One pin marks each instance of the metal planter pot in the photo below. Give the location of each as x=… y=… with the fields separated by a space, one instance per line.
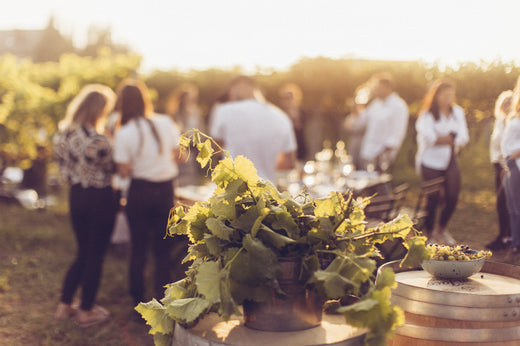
x=302 y=309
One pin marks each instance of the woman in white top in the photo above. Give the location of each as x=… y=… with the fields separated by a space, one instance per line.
x=145 y=148
x=502 y=109
x=511 y=151
x=441 y=132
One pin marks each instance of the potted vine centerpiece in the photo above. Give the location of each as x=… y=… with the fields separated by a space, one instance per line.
x=253 y=245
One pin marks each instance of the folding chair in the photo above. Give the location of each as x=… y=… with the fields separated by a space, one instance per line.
x=399 y=193
x=380 y=208
x=428 y=188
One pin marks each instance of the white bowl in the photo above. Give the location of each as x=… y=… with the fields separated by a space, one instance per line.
x=453 y=269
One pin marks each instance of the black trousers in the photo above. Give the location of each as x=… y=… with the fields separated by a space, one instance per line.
x=92 y=212
x=148 y=208
x=501 y=204
x=451 y=194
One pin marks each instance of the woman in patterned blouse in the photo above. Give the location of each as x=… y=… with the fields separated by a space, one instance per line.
x=85 y=159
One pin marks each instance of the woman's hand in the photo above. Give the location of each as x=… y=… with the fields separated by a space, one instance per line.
x=445 y=140
x=124 y=169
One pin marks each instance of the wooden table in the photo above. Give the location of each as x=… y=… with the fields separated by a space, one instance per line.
x=213 y=331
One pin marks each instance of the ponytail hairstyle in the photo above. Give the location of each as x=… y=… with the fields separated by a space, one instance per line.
x=134 y=103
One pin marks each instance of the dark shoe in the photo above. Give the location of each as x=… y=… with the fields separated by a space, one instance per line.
x=496 y=244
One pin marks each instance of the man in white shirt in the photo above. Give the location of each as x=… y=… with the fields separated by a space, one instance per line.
x=385 y=121
x=255 y=129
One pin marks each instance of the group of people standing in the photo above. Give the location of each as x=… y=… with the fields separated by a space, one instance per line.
x=378 y=124
x=505 y=157
x=144 y=148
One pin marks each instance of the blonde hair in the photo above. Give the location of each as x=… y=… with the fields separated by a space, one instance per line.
x=89 y=107
x=504 y=95
x=515 y=102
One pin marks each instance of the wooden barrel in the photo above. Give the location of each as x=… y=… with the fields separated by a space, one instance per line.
x=483 y=309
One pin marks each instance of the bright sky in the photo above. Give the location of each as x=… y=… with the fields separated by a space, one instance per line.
x=276 y=33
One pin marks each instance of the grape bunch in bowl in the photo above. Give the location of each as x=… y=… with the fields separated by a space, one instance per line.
x=454 y=262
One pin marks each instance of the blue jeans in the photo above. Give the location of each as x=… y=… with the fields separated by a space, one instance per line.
x=512 y=188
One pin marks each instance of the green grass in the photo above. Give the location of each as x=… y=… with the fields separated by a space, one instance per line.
x=38 y=246
x=36 y=249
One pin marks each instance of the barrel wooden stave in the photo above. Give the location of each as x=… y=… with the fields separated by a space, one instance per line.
x=437 y=317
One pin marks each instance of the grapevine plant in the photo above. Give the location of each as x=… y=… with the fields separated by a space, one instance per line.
x=240 y=232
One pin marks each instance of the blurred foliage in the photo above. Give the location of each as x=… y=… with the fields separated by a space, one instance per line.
x=34 y=96
x=328 y=83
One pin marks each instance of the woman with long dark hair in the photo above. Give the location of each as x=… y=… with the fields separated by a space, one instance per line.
x=85 y=160
x=145 y=149
x=441 y=132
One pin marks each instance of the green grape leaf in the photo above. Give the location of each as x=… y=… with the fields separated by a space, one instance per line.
x=187 y=310
x=174 y=291
x=197 y=216
x=335 y=285
x=357 y=216
x=213 y=244
x=262 y=213
x=208 y=281
x=223 y=172
x=242 y=292
x=176 y=222
x=283 y=220
x=246 y=220
x=162 y=340
x=223 y=202
x=417 y=252
x=179 y=228
x=318 y=233
x=358 y=268
x=184 y=142
x=256 y=265
x=400 y=227
x=273 y=238
x=292 y=206
x=386 y=278
x=219 y=228
x=228 y=305
x=325 y=207
x=376 y=313
x=205 y=153
x=246 y=170
x=324 y=232
x=154 y=314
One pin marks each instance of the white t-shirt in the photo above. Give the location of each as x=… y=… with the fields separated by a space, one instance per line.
x=428 y=130
x=511 y=140
x=134 y=143
x=385 y=122
x=256 y=130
